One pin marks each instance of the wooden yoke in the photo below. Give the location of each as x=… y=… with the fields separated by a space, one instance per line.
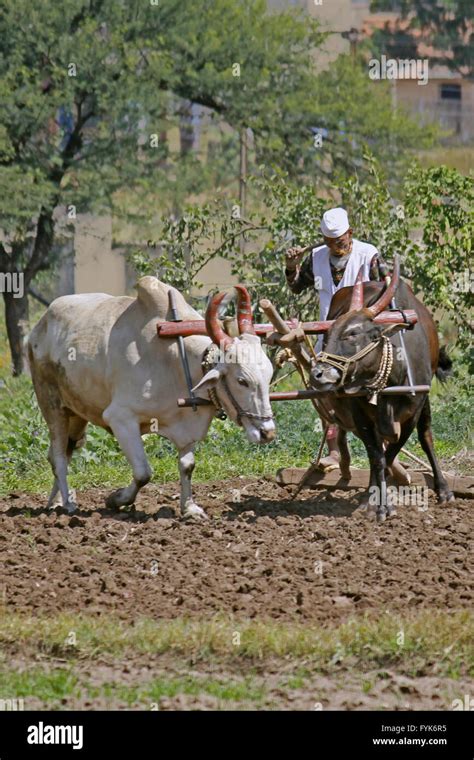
x=291 y=339
x=198 y=327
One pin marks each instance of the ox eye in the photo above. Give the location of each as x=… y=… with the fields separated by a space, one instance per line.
x=242 y=381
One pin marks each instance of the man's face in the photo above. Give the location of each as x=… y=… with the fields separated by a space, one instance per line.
x=342 y=245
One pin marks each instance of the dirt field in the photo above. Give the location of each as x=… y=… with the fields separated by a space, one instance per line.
x=317 y=560
x=259 y=557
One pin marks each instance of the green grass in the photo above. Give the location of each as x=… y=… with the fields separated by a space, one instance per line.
x=433 y=640
x=224 y=453
x=231 y=669
x=157 y=688
x=48 y=685
x=60 y=684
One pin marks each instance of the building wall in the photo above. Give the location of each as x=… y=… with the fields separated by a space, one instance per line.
x=216 y=274
x=455 y=117
x=99 y=268
x=334 y=16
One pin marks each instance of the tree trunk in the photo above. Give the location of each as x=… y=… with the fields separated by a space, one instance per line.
x=17 y=323
x=186 y=129
x=16 y=309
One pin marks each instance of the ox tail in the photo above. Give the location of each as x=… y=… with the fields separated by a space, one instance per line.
x=445 y=365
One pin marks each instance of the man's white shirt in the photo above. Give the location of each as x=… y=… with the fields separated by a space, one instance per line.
x=361 y=256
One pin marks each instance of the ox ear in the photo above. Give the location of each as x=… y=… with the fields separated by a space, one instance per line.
x=209 y=380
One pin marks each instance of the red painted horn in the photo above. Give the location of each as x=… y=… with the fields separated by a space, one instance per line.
x=244 y=310
x=214 y=330
x=387 y=296
x=357 y=300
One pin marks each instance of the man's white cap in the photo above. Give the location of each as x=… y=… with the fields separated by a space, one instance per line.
x=335 y=222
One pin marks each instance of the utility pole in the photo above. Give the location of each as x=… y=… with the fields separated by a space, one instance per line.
x=353 y=35
x=243 y=180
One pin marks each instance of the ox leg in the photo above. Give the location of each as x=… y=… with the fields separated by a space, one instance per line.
x=377 y=495
x=59 y=460
x=76 y=439
x=126 y=429
x=392 y=449
x=189 y=508
x=425 y=437
x=344 y=464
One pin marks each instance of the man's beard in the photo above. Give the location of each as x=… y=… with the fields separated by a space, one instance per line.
x=340 y=258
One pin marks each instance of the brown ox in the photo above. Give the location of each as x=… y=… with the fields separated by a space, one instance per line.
x=392 y=419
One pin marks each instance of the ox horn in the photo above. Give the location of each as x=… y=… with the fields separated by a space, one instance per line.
x=386 y=297
x=244 y=310
x=357 y=300
x=214 y=330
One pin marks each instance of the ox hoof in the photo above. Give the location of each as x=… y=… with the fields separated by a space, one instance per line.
x=381 y=517
x=446 y=497
x=193 y=512
x=119 y=498
x=57 y=502
x=69 y=509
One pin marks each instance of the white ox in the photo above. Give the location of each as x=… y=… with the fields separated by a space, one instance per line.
x=97 y=358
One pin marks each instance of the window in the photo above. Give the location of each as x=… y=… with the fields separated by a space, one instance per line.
x=384 y=5
x=450 y=91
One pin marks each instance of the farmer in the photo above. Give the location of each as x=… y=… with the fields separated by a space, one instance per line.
x=327 y=268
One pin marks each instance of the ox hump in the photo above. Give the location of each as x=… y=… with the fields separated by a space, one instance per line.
x=152 y=295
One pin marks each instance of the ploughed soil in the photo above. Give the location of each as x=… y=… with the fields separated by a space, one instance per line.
x=261 y=554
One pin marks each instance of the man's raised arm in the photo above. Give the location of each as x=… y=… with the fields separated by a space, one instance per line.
x=299 y=276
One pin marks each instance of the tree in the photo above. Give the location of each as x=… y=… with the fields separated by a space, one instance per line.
x=445 y=25
x=86 y=88
x=261 y=71
x=68 y=127
x=430 y=225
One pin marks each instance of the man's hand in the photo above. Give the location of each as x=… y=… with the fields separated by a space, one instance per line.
x=294 y=256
